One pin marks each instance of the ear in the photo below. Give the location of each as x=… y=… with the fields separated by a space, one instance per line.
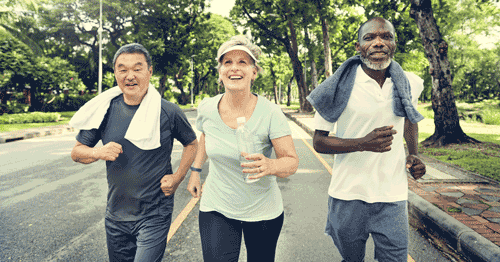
x=151 y=70
x=358 y=47
x=254 y=73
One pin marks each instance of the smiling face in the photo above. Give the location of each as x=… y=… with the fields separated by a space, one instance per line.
x=132 y=74
x=237 y=71
x=377 y=44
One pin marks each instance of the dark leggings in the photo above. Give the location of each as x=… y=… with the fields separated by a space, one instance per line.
x=221 y=238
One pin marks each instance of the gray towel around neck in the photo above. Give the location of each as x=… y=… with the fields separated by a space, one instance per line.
x=331 y=96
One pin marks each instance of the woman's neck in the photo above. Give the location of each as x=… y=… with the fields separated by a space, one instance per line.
x=239 y=100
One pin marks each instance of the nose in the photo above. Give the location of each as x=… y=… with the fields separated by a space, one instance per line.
x=233 y=67
x=130 y=76
x=378 y=41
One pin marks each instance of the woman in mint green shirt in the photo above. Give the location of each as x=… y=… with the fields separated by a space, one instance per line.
x=230 y=206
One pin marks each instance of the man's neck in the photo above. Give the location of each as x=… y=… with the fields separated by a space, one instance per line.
x=378 y=75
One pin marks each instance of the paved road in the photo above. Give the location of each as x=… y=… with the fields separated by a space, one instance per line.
x=52 y=209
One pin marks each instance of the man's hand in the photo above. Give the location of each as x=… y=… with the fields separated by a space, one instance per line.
x=169 y=184
x=379 y=140
x=415 y=166
x=108 y=152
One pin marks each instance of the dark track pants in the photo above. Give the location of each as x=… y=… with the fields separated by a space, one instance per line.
x=144 y=240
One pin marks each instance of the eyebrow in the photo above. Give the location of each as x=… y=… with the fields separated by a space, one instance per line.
x=382 y=33
x=136 y=64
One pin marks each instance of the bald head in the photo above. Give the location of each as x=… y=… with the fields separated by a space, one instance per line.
x=378 y=20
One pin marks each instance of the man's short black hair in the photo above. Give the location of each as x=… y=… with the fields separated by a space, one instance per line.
x=372 y=19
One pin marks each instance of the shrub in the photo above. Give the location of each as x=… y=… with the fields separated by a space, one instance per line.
x=35 y=117
x=491 y=115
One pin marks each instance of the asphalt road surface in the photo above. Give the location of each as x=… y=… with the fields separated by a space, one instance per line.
x=52 y=209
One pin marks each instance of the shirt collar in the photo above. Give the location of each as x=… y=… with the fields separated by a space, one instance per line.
x=362 y=77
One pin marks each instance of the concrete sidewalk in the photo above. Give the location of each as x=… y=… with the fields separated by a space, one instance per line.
x=463 y=208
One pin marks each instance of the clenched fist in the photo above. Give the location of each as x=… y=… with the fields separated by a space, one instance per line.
x=379 y=140
x=108 y=152
x=415 y=166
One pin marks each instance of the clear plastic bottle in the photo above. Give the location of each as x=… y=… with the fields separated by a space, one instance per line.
x=245 y=144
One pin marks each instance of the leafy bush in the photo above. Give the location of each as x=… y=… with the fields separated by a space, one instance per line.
x=35 y=117
x=63 y=103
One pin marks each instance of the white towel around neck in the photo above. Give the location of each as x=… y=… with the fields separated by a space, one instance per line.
x=144 y=129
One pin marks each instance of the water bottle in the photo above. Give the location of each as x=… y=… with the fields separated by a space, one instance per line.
x=245 y=144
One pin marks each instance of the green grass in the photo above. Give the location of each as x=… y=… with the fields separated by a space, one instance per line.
x=483 y=159
x=486 y=111
x=65 y=117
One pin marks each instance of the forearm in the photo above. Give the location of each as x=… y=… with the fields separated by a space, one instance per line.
x=188 y=156
x=201 y=155
x=411 y=137
x=335 y=145
x=84 y=154
x=285 y=166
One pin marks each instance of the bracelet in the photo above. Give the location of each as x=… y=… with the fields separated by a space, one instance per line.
x=195 y=169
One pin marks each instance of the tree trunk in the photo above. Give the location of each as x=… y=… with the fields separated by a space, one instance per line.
x=292 y=50
x=289 y=92
x=446 y=120
x=162 y=88
x=314 y=75
x=275 y=88
x=326 y=47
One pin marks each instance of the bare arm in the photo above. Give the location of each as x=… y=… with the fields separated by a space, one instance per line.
x=86 y=155
x=285 y=164
x=413 y=163
x=170 y=182
x=194 y=185
x=379 y=140
x=411 y=136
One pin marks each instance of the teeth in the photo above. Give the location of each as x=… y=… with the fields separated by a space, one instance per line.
x=235 y=77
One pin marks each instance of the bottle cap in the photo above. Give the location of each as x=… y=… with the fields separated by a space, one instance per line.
x=241 y=120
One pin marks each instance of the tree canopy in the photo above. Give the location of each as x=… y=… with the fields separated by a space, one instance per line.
x=303 y=41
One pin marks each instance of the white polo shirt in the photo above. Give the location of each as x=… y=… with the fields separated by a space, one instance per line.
x=369 y=176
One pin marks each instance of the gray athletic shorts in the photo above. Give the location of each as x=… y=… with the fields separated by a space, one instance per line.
x=350 y=223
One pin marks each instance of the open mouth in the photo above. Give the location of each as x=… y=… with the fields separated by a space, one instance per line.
x=235 y=77
x=131 y=84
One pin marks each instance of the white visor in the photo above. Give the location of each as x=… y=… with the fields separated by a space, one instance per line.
x=238 y=47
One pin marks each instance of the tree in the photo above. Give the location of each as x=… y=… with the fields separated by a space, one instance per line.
x=41 y=74
x=9 y=18
x=446 y=120
x=167 y=29
x=276 y=23
x=209 y=37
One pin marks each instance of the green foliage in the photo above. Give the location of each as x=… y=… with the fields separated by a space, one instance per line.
x=61 y=103
x=34 y=117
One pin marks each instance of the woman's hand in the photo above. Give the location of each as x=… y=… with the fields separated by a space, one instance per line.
x=261 y=165
x=194 y=185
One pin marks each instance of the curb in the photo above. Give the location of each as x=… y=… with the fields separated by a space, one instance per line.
x=41 y=132
x=464 y=240
x=460 y=237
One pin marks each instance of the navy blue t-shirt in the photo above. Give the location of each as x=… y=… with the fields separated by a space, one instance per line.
x=134 y=177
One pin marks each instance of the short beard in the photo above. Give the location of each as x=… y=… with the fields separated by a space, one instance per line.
x=376 y=66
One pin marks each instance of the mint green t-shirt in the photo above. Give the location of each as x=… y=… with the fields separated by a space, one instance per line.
x=225 y=190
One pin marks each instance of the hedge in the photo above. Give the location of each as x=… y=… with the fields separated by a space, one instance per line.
x=35 y=117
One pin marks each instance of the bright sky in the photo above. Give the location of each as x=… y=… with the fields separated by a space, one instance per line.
x=221 y=7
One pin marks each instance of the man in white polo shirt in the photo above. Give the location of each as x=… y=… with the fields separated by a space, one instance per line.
x=372 y=103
